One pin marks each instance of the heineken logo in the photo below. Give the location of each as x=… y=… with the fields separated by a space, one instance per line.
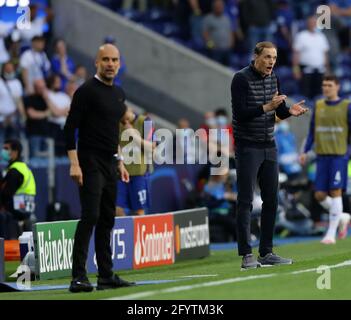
x=54 y=254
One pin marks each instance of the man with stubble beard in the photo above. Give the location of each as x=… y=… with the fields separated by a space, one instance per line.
x=96 y=110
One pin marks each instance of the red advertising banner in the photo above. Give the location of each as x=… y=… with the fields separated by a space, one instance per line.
x=153 y=241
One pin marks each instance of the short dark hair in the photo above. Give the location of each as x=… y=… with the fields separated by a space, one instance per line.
x=38 y=38
x=260 y=46
x=331 y=77
x=221 y=112
x=15 y=145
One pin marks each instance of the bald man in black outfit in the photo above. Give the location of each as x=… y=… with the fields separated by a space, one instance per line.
x=96 y=110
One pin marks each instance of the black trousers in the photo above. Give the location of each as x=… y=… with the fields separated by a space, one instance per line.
x=254 y=164
x=97 y=197
x=311 y=84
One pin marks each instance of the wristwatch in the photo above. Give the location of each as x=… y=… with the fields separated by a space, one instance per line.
x=119 y=157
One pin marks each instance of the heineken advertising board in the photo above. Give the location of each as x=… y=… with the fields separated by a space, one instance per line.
x=53 y=244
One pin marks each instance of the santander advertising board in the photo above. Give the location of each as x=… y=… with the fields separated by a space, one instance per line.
x=153 y=241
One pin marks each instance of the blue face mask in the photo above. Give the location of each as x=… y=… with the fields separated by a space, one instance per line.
x=221 y=121
x=284 y=126
x=5 y=155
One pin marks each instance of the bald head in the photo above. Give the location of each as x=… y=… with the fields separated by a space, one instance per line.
x=107 y=62
x=107 y=49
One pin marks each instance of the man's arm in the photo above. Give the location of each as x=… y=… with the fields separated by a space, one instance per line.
x=74 y=119
x=72 y=123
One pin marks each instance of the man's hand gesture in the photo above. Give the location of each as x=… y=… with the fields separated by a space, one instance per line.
x=298 y=109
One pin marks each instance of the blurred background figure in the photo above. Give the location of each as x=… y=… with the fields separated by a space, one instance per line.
x=37 y=110
x=310 y=58
x=219 y=196
x=257 y=20
x=288 y=154
x=80 y=75
x=61 y=63
x=12 y=113
x=18 y=191
x=134 y=197
x=59 y=105
x=217 y=33
x=34 y=64
x=184 y=143
x=37 y=25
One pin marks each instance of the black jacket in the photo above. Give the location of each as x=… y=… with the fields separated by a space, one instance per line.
x=250 y=91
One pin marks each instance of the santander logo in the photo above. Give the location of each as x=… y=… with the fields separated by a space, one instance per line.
x=153 y=242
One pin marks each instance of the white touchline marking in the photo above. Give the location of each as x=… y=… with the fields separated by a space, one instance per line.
x=199 y=276
x=220 y=282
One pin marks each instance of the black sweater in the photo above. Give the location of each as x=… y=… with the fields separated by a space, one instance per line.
x=96 y=110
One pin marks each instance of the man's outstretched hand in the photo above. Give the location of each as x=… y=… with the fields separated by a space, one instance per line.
x=298 y=109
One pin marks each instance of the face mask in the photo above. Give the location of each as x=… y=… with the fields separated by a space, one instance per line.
x=9 y=76
x=211 y=122
x=284 y=127
x=221 y=121
x=5 y=155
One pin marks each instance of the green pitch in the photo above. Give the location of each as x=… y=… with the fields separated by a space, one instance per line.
x=219 y=277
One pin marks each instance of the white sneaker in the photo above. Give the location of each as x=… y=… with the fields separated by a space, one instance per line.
x=326 y=240
x=344 y=225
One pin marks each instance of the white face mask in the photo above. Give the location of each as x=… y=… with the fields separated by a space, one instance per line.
x=9 y=76
x=211 y=122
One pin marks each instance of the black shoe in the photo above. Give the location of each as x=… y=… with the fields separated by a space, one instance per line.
x=271 y=259
x=80 y=285
x=249 y=262
x=113 y=283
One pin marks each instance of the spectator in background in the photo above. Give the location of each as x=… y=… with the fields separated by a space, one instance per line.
x=71 y=88
x=189 y=15
x=341 y=12
x=12 y=112
x=61 y=63
x=38 y=112
x=37 y=25
x=218 y=34
x=288 y=156
x=209 y=121
x=59 y=105
x=310 y=58
x=284 y=19
x=141 y=4
x=220 y=198
x=35 y=64
x=184 y=143
x=222 y=121
x=5 y=29
x=80 y=75
x=257 y=18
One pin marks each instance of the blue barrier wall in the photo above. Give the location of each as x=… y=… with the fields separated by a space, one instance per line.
x=167 y=188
